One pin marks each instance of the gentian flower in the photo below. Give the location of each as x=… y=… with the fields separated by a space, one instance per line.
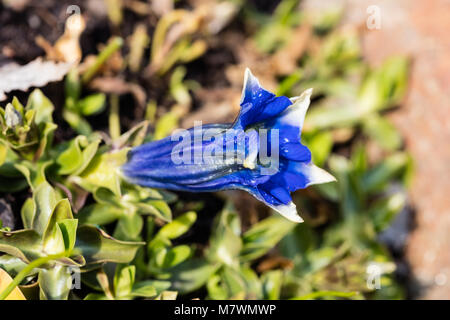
x=260 y=153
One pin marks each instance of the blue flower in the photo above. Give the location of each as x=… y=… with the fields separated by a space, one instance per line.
x=260 y=153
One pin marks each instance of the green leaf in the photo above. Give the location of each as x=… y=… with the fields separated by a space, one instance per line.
x=106 y=196
x=350 y=192
x=72 y=85
x=298 y=242
x=233 y=281
x=124 y=280
x=45 y=138
x=376 y=178
x=159 y=285
x=226 y=243
x=99 y=214
x=53 y=242
x=3 y=153
x=158 y=208
x=165 y=125
x=144 y=289
x=191 y=274
x=263 y=236
x=103 y=171
x=69 y=231
x=252 y=282
x=325 y=116
x=77 y=155
x=95 y=296
x=43 y=106
x=44 y=199
x=62 y=211
x=12 y=184
x=385 y=86
x=96 y=246
x=129 y=227
x=216 y=290
x=55 y=283
x=178 y=226
x=24 y=244
x=92 y=104
x=383 y=132
x=77 y=122
x=27 y=213
x=272 y=281
x=176 y=255
x=34 y=174
x=87 y=155
x=384 y=210
x=13 y=265
x=133 y=137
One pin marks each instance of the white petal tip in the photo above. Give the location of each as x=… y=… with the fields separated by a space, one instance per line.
x=305 y=95
x=250 y=81
x=289 y=211
x=308 y=92
x=317 y=175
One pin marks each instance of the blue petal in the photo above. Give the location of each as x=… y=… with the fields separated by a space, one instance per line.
x=289 y=124
x=258 y=104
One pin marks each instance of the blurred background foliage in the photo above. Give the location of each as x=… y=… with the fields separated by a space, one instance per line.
x=159 y=64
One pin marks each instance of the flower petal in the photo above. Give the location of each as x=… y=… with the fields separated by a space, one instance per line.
x=294 y=116
x=288 y=210
x=258 y=104
x=312 y=173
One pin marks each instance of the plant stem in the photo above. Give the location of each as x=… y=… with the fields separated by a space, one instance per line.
x=114 y=120
x=25 y=271
x=112 y=47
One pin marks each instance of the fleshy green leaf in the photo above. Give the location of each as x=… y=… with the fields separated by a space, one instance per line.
x=103 y=171
x=69 y=231
x=55 y=283
x=191 y=274
x=263 y=236
x=99 y=214
x=376 y=178
x=178 y=226
x=92 y=104
x=43 y=106
x=124 y=280
x=226 y=243
x=24 y=244
x=44 y=199
x=96 y=246
x=383 y=132
x=272 y=281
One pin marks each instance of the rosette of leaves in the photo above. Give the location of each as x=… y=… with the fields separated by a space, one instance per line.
x=160 y=256
x=25 y=137
x=225 y=267
x=26 y=129
x=52 y=244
